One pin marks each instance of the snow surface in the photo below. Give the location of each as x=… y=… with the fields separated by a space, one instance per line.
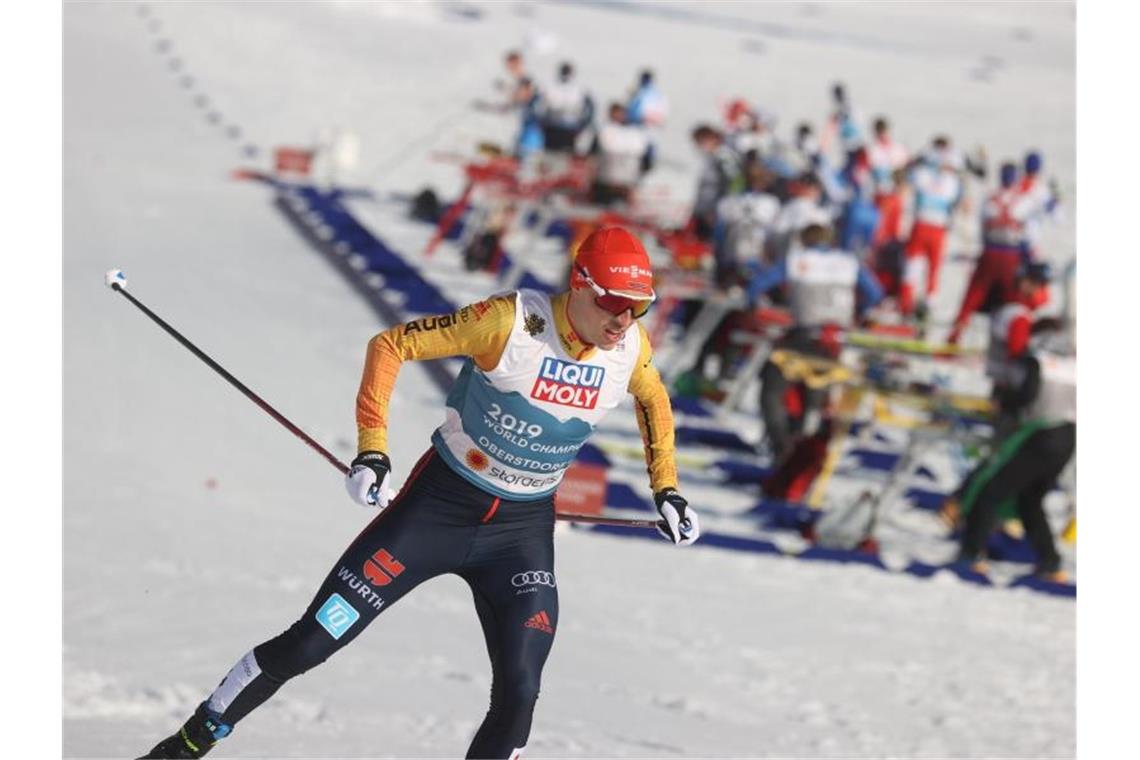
x=212 y=527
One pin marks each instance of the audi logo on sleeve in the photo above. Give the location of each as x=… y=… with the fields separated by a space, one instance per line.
x=533 y=578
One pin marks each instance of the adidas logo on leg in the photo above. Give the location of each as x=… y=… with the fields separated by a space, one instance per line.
x=540 y=621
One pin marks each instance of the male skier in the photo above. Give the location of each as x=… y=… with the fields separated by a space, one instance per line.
x=541 y=372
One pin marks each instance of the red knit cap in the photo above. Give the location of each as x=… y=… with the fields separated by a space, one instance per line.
x=616 y=260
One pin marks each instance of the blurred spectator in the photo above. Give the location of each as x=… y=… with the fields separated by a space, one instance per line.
x=860 y=218
x=622 y=153
x=937 y=191
x=744 y=223
x=647 y=106
x=803 y=207
x=1036 y=395
x=567 y=110
x=886 y=157
x=843 y=124
x=1004 y=248
x=530 y=137
x=749 y=133
x=1010 y=332
x=806 y=154
x=1042 y=199
x=827 y=288
x=720 y=168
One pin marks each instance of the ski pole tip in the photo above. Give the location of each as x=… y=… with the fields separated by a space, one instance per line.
x=115 y=277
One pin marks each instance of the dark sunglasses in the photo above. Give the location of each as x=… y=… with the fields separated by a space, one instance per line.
x=616 y=303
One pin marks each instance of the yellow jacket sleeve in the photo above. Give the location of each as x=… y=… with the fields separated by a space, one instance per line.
x=654 y=418
x=479 y=330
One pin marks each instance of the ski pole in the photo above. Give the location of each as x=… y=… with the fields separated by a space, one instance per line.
x=599 y=520
x=117 y=281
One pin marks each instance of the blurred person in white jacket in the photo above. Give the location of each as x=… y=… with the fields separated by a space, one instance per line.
x=887 y=156
x=623 y=154
x=1041 y=200
x=745 y=223
x=804 y=207
x=937 y=185
x=567 y=111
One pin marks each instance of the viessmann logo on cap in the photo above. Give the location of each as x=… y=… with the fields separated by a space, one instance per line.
x=568 y=384
x=639 y=278
x=633 y=270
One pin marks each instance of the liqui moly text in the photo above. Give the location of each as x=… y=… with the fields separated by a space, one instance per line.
x=568 y=384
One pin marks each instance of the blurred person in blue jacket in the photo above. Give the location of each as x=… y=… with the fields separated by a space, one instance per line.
x=647 y=106
x=860 y=216
x=530 y=139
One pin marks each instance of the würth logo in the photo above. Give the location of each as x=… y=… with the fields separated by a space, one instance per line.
x=541 y=622
x=568 y=384
x=382 y=567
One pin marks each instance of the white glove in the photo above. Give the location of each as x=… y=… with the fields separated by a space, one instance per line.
x=679 y=522
x=368 y=478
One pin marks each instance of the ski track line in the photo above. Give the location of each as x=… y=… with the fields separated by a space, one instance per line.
x=164 y=46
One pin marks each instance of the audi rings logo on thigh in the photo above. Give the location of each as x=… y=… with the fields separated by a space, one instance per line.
x=533 y=578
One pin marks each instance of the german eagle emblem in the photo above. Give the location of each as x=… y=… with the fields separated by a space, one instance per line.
x=534 y=324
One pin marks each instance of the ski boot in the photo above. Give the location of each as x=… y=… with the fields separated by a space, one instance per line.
x=971 y=566
x=197 y=736
x=1051 y=572
x=1058 y=576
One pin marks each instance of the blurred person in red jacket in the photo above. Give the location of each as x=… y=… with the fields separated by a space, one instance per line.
x=1004 y=250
